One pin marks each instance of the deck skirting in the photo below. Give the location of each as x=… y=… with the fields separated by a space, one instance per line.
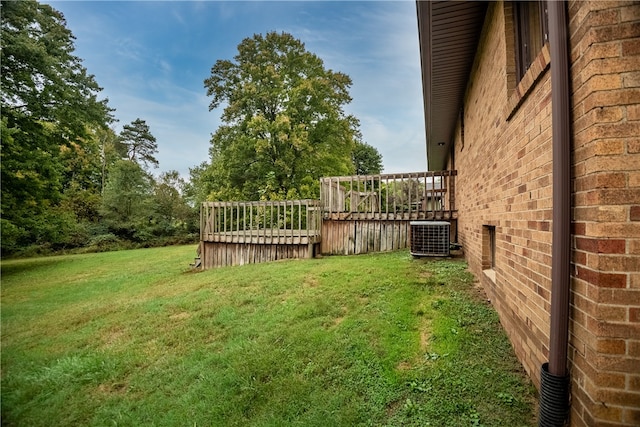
x=342 y=237
x=216 y=254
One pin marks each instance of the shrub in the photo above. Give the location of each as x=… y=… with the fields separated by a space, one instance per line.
x=105 y=242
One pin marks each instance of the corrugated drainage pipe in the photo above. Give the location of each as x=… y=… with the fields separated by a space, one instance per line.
x=554 y=376
x=554 y=391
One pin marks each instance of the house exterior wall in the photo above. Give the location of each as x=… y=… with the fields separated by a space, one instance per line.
x=503 y=154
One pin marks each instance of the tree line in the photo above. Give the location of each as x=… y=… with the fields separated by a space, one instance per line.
x=70 y=181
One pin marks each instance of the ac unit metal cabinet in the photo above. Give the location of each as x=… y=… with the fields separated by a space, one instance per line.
x=430 y=238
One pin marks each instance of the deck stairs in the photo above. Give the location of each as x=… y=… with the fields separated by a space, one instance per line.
x=197 y=261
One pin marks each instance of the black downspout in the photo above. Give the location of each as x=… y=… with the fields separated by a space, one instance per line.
x=554 y=376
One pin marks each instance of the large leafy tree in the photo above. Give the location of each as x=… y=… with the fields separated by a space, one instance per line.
x=85 y=172
x=283 y=123
x=127 y=203
x=48 y=102
x=173 y=213
x=140 y=144
x=200 y=184
x=367 y=159
x=82 y=178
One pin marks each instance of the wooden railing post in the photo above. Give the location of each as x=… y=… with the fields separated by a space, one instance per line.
x=452 y=191
x=415 y=195
x=286 y=222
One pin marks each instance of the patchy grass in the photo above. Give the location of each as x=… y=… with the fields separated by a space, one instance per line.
x=133 y=338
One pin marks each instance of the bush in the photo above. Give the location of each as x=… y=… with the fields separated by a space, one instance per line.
x=105 y=242
x=11 y=236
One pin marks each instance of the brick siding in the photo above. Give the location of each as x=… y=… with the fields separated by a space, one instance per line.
x=504 y=180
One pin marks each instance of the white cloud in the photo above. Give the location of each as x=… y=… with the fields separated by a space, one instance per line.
x=129 y=49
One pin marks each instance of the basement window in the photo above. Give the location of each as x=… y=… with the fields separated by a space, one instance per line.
x=489 y=251
x=531 y=25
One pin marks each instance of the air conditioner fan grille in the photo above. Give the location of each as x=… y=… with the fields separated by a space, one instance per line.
x=430 y=238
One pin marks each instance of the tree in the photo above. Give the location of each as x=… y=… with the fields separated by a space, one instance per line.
x=111 y=150
x=48 y=102
x=200 y=185
x=283 y=125
x=82 y=178
x=173 y=214
x=127 y=205
x=140 y=144
x=367 y=160
x=41 y=78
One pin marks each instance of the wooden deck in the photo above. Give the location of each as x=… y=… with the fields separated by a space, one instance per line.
x=355 y=214
x=400 y=216
x=403 y=197
x=267 y=222
x=237 y=233
x=265 y=237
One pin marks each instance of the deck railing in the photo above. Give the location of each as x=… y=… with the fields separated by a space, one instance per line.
x=417 y=195
x=266 y=222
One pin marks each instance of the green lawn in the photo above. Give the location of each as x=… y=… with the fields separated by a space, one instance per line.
x=133 y=338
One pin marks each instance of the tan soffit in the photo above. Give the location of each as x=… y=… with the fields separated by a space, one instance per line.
x=448 y=32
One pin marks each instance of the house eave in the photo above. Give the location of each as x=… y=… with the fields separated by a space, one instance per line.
x=444 y=80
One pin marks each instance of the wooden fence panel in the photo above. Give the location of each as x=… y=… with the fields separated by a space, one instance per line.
x=341 y=237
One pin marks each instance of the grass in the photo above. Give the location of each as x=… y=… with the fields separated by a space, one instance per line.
x=132 y=338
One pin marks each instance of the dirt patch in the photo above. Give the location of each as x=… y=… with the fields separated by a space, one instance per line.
x=407 y=365
x=425 y=274
x=116 y=388
x=478 y=292
x=424 y=340
x=311 y=281
x=180 y=316
x=363 y=300
x=394 y=407
x=112 y=337
x=338 y=320
x=404 y=366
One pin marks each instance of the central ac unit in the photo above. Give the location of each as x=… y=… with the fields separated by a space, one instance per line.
x=430 y=238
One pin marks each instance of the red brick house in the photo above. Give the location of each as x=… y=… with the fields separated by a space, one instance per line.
x=537 y=107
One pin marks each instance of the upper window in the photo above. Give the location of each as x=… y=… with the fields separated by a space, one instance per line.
x=532 y=32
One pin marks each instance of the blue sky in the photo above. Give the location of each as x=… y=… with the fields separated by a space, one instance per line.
x=151 y=58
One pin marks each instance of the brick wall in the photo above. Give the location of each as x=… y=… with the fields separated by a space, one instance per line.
x=504 y=180
x=605 y=335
